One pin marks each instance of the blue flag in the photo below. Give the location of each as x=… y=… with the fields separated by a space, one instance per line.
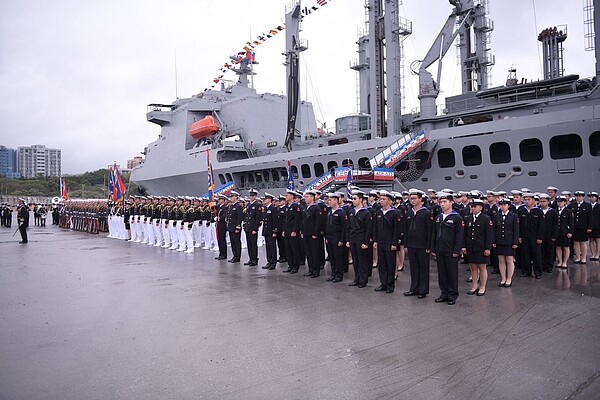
x=349 y=183
x=290 y=184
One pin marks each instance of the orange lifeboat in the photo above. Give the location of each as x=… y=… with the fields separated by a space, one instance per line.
x=204 y=128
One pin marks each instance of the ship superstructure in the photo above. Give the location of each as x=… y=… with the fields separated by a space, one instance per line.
x=522 y=134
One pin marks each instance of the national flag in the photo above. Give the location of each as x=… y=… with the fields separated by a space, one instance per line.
x=64 y=192
x=290 y=183
x=321 y=2
x=211 y=181
x=349 y=183
x=111 y=184
x=118 y=187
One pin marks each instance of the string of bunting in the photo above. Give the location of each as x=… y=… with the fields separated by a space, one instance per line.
x=247 y=52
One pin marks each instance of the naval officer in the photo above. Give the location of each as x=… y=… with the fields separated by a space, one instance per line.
x=235 y=216
x=446 y=245
x=252 y=221
x=269 y=230
x=23 y=220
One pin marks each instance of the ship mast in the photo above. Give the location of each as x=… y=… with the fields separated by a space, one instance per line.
x=293 y=48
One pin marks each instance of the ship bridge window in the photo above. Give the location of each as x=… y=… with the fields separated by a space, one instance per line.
x=500 y=153
x=229 y=177
x=295 y=171
x=446 y=158
x=364 y=163
x=305 y=171
x=319 y=170
x=347 y=162
x=222 y=179
x=566 y=146
x=471 y=155
x=595 y=143
x=531 y=150
x=275 y=174
x=331 y=165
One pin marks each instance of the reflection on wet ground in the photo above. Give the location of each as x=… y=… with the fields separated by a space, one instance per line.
x=90 y=317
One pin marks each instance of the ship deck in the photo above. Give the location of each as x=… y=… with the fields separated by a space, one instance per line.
x=87 y=317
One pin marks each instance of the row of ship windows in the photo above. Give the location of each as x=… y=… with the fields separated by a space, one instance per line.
x=561 y=147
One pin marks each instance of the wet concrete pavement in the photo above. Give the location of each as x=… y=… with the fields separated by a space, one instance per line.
x=87 y=317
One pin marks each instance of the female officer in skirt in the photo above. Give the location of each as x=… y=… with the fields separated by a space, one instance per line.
x=506 y=241
x=479 y=234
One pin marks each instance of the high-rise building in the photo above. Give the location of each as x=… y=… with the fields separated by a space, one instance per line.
x=38 y=160
x=8 y=162
x=134 y=162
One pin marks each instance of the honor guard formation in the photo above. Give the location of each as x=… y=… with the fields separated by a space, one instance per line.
x=534 y=232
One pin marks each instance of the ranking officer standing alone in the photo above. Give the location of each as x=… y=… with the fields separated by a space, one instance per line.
x=23 y=220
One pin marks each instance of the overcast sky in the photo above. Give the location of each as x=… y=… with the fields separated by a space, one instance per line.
x=78 y=74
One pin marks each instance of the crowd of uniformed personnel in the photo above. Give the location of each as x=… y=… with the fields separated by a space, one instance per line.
x=83 y=215
x=535 y=232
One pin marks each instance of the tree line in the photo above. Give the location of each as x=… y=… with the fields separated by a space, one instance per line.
x=92 y=184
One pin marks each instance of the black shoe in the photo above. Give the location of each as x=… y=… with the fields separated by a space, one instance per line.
x=288 y=270
x=362 y=285
x=421 y=296
x=253 y=264
x=331 y=278
x=508 y=284
x=272 y=267
x=451 y=302
x=307 y=274
x=501 y=284
x=282 y=260
x=23 y=242
x=314 y=276
x=472 y=292
x=410 y=293
x=353 y=284
x=294 y=271
x=480 y=293
x=441 y=299
x=234 y=260
x=248 y=263
x=220 y=258
x=389 y=290
x=266 y=266
x=336 y=280
x=538 y=277
x=380 y=288
x=524 y=275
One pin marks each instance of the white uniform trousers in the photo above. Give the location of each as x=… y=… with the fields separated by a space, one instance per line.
x=166 y=234
x=181 y=236
x=157 y=232
x=189 y=237
x=174 y=231
x=150 y=232
x=197 y=234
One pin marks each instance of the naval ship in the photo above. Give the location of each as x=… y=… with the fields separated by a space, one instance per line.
x=522 y=134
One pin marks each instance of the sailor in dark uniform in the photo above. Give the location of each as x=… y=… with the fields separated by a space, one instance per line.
x=324 y=209
x=595 y=233
x=252 y=221
x=417 y=232
x=281 y=206
x=582 y=211
x=506 y=241
x=531 y=230
x=491 y=210
x=311 y=231
x=565 y=223
x=335 y=236
x=269 y=230
x=552 y=191
x=358 y=238
x=479 y=236
x=550 y=233
x=222 y=209
x=386 y=240
x=446 y=244
x=291 y=232
x=235 y=216
x=23 y=220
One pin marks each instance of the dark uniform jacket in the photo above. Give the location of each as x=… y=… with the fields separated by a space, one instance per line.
x=417 y=228
x=387 y=230
x=23 y=216
x=595 y=216
x=235 y=216
x=335 y=228
x=448 y=234
x=565 y=222
x=293 y=219
x=253 y=217
x=270 y=217
x=506 y=230
x=583 y=215
x=550 y=224
x=311 y=221
x=531 y=223
x=479 y=233
x=360 y=228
